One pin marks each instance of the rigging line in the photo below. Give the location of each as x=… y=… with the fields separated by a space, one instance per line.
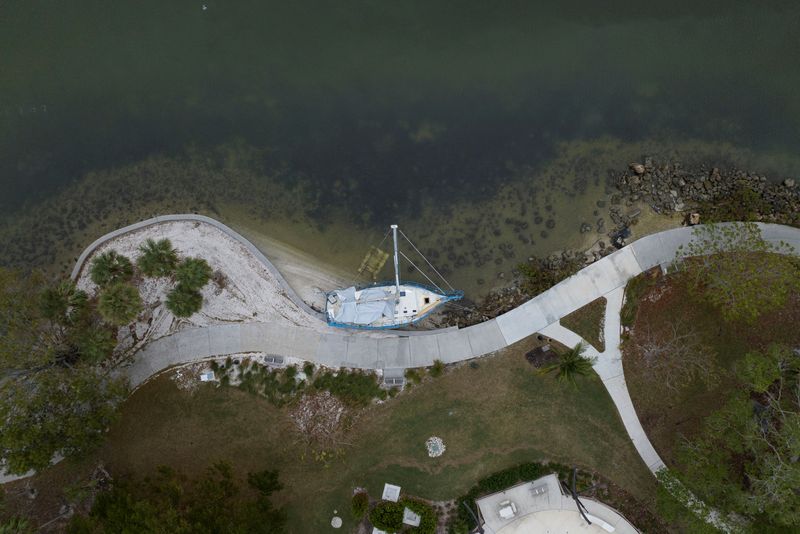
x=426 y=261
x=423 y=272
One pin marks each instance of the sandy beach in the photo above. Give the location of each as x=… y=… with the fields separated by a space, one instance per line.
x=243 y=291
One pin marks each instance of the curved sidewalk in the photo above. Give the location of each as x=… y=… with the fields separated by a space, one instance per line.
x=358 y=349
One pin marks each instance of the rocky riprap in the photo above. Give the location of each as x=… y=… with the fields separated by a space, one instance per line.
x=671 y=187
x=701 y=193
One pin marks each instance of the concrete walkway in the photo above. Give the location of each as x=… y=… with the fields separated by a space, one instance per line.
x=606 y=277
x=398 y=350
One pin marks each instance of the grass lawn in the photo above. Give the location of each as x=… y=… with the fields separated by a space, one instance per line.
x=490 y=418
x=587 y=322
x=665 y=414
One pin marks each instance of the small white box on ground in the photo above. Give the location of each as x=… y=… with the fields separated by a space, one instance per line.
x=208 y=376
x=391 y=492
x=410 y=518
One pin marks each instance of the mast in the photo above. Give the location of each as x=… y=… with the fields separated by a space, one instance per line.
x=396 y=264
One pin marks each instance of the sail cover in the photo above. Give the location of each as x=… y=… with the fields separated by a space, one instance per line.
x=373 y=303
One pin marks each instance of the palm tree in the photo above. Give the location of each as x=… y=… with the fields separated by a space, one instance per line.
x=94 y=342
x=571 y=364
x=110 y=268
x=119 y=303
x=183 y=302
x=193 y=273
x=158 y=258
x=63 y=303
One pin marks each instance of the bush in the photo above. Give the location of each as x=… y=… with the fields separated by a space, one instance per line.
x=354 y=388
x=414 y=376
x=360 y=505
x=634 y=291
x=387 y=516
x=428 y=516
x=193 y=273
x=158 y=258
x=110 y=268
x=184 y=302
x=119 y=303
x=437 y=369
x=308 y=369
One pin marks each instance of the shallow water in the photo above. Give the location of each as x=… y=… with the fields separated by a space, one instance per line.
x=451 y=119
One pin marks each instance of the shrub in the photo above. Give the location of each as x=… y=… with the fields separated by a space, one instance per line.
x=158 y=258
x=414 y=375
x=387 y=516
x=437 y=369
x=110 y=268
x=354 y=388
x=360 y=505
x=184 y=302
x=428 y=516
x=119 y=303
x=308 y=369
x=193 y=273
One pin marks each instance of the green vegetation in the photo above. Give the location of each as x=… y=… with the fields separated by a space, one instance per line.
x=388 y=516
x=414 y=376
x=679 y=349
x=745 y=459
x=158 y=258
x=63 y=303
x=571 y=364
x=674 y=501
x=184 y=302
x=744 y=204
x=110 y=268
x=738 y=271
x=193 y=273
x=587 y=322
x=538 y=276
x=357 y=387
x=170 y=503
x=514 y=416
x=278 y=386
x=120 y=303
x=360 y=505
x=634 y=291
x=57 y=401
x=15 y=525
x=437 y=368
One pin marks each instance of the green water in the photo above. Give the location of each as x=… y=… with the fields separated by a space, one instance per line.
x=368 y=112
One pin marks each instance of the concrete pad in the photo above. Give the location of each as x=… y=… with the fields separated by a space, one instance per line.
x=394 y=352
x=453 y=347
x=573 y=293
x=423 y=350
x=332 y=350
x=362 y=352
x=485 y=338
x=279 y=339
x=252 y=337
x=306 y=343
x=193 y=343
x=524 y=321
x=225 y=339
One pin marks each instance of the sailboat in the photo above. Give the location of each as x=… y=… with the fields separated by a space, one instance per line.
x=386 y=305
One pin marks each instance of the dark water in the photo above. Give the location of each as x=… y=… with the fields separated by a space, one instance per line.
x=398 y=101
